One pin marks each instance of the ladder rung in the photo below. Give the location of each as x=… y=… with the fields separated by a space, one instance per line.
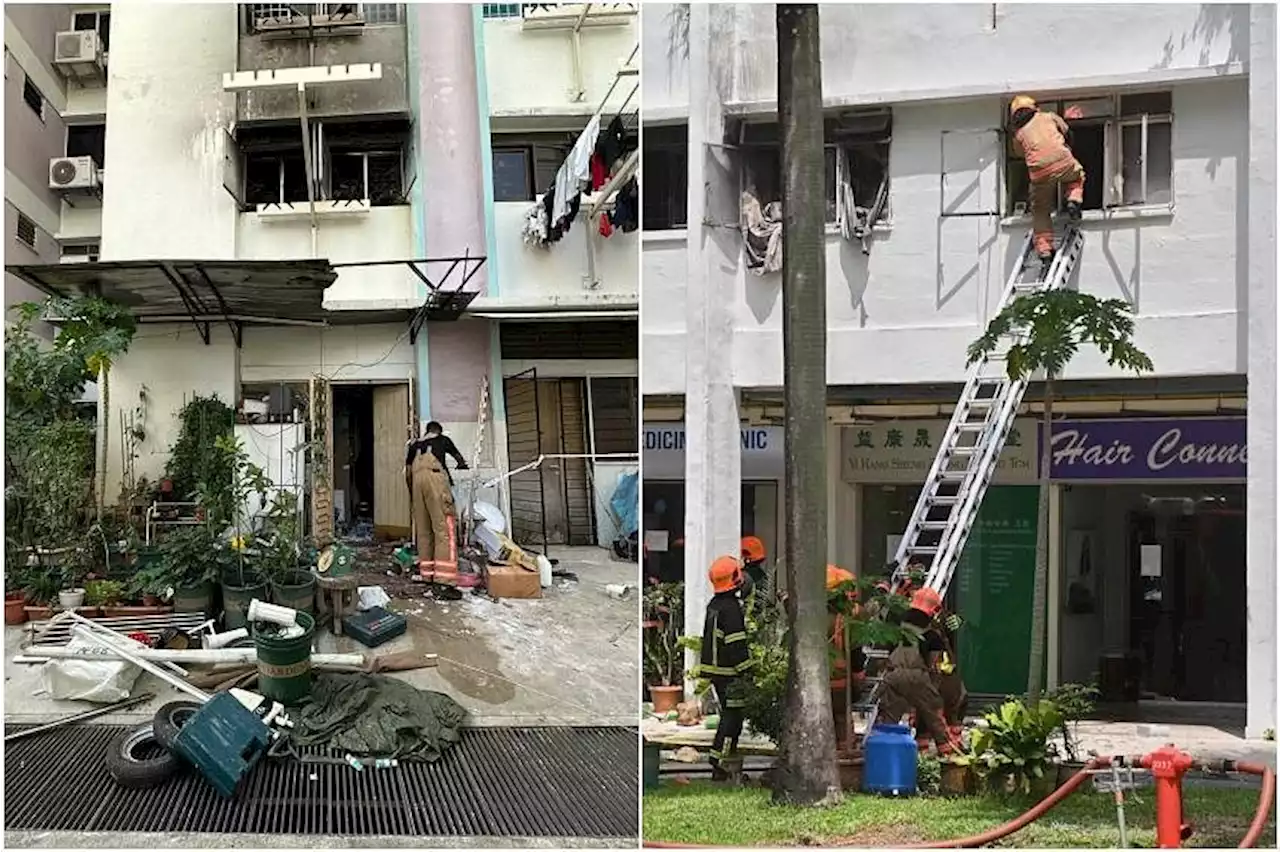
x=964 y=451
x=973 y=427
x=981 y=402
x=934 y=525
x=943 y=500
x=927 y=549
x=954 y=475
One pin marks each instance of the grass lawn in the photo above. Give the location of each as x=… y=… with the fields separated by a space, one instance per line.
x=703 y=813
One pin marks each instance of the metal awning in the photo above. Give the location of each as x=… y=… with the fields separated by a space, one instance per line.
x=202 y=292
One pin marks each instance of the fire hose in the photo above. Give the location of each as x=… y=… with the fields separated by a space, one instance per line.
x=1169 y=827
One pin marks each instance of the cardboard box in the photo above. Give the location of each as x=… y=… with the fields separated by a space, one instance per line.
x=512 y=581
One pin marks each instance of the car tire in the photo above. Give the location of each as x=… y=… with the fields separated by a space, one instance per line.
x=169 y=720
x=130 y=769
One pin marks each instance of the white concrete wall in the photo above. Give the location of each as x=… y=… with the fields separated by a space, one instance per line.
x=930 y=283
x=873 y=52
x=530 y=72
x=174 y=364
x=531 y=274
x=383 y=233
x=166 y=133
x=364 y=353
x=81 y=223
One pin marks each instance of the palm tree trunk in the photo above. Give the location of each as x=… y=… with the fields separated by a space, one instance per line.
x=1035 y=673
x=806 y=772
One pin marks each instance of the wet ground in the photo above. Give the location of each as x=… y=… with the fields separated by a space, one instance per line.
x=569 y=658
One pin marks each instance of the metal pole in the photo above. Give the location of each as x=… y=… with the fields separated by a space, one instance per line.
x=81 y=717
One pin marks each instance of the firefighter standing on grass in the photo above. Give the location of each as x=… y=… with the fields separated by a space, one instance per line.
x=726 y=659
x=909 y=684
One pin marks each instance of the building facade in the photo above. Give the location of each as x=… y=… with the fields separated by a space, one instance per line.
x=403 y=144
x=1163 y=551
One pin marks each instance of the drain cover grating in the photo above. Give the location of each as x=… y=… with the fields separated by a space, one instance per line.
x=498 y=782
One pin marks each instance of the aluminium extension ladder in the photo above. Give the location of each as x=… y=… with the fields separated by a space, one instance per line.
x=970 y=450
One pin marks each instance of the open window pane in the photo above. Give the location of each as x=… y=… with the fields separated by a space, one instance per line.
x=1088 y=143
x=829 y=180
x=1159 y=164
x=295 y=177
x=511 y=175
x=1152 y=103
x=87 y=140
x=261 y=179
x=346 y=177
x=385 y=179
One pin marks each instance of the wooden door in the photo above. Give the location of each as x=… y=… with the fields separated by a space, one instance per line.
x=391 y=424
x=555 y=495
x=579 y=507
x=524 y=488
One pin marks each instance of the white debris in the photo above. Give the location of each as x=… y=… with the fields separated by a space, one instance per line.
x=372 y=596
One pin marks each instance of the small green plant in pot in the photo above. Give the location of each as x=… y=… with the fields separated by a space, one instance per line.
x=103 y=593
x=1013 y=752
x=663 y=653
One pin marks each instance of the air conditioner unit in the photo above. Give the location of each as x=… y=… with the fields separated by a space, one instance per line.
x=78 y=53
x=68 y=173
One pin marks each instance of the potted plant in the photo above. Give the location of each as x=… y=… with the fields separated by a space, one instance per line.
x=72 y=591
x=231 y=480
x=1012 y=751
x=663 y=653
x=41 y=590
x=293 y=584
x=104 y=594
x=1075 y=701
x=189 y=563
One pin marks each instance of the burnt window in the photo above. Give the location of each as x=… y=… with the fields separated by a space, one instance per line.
x=375 y=176
x=33 y=97
x=1124 y=143
x=99 y=22
x=666 y=193
x=26 y=231
x=87 y=140
x=855 y=163
x=365 y=160
x=274 y=166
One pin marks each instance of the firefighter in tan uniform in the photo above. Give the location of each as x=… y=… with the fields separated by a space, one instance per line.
x=1041 y=137
x=910 y=684
x=435 y=519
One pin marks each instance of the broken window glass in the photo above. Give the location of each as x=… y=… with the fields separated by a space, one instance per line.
x=386 y=179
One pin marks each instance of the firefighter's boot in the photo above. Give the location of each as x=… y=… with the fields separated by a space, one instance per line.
x=1073 y=211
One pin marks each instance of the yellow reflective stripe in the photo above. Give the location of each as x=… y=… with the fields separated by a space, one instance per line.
x=718 y=670
x=735 y=703
x=743 y=666
x=735 y=637
x=718 y=633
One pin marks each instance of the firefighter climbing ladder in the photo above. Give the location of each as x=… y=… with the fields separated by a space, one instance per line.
x=970 y=451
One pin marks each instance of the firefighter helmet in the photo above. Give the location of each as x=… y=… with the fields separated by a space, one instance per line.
x=927 y=601
x=837 y=575
x=726 y=574
x=1021 y=102
x=753 y=549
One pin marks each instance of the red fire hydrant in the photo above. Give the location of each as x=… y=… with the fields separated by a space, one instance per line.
x=1167 y=766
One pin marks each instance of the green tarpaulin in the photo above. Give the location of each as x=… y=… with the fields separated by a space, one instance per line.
x=370 y=715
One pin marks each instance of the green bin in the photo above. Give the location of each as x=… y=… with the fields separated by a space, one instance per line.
x=284 y=664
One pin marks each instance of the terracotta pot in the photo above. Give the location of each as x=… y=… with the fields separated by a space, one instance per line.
x=38 y=613
x=14 y=610
x=665 y=698
x=957 y=779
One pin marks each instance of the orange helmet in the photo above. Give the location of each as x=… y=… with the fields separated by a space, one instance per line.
x=1021 y=102
x=726 y=574
x=753 y=549
x=837 y=575
x=927 y=601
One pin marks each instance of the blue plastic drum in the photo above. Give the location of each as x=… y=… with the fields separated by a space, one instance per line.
x=889 y=761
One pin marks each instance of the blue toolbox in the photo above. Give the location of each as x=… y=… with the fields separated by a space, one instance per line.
x=224 y=740
x=374 y=626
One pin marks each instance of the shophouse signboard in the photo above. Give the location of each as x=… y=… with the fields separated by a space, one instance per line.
x=902 y=451
x=1150 y=449
x=664 y=449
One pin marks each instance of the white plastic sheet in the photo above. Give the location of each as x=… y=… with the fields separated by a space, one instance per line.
x=372 y=596
x=104 y=681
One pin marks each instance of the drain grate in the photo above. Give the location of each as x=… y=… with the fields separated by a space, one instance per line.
x=498 y=782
